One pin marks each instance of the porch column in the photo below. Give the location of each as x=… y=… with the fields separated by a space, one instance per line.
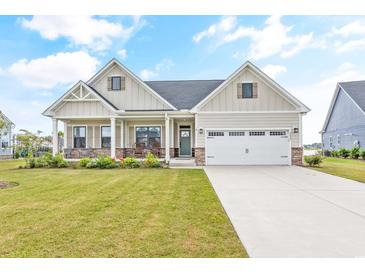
x=112 y=138
x=167 y=138
x=64 y=134
x=122 y=133
x=54 y=136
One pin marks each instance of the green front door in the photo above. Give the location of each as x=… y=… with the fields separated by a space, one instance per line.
x=185 y=142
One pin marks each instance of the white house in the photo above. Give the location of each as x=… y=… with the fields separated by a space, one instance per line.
x=6 y=137
x=246 y=119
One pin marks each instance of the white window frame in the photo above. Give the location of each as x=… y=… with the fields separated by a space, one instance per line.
x=338 y=140
x=105 y=125
x=86 y=136
x=330 y=142
x=247 y=82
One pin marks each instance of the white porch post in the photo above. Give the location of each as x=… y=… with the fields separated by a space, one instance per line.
x=112 y=139
x=65 y=135
x=122 y=133
x=55 y=136
x=167 y=138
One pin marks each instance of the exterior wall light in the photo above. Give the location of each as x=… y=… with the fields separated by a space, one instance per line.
x=296 y=130
x=201 y=131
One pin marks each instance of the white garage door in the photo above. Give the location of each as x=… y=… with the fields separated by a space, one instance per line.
x=248 y=147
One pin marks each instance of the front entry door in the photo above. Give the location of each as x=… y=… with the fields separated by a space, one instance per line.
x=185 y=142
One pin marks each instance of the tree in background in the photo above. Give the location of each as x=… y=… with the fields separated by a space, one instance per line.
x=28 y=143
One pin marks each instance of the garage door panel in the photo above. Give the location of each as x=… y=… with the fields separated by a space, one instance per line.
x=255 y=148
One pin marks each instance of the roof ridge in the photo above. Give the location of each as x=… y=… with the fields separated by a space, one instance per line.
x=352 y=81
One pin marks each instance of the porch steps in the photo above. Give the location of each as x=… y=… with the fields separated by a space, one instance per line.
x=182 y=162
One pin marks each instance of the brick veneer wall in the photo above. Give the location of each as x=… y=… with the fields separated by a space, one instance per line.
x=200 y=156
x=297 y=156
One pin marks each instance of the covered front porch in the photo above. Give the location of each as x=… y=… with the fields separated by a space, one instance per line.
x=127 y=135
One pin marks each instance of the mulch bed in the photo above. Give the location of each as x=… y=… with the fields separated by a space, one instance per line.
x=4 y=184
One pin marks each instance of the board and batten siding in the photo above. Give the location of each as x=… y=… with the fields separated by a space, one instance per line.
x=248 y=121
x=83 y=109
x=134 y=97
x=267 y=99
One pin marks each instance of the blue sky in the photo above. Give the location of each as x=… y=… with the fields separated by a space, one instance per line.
x=41 y=57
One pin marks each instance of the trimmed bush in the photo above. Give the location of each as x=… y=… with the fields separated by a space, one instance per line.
x=344 y=153
x=151 y=161
x=327 y=153
x=334 y=154
x=313 y=160
x=92 y=164
x=84 y=161
x=130 y=162
x=105 y=162
x=355 y=153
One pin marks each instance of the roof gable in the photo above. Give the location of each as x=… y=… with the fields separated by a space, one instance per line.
x=340 y=89
x=6 y=119
x=356 y=90
x=79 y=92
x=299 y=106
x=114 y=62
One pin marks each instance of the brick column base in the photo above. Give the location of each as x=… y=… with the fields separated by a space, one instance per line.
x=297 y=156
x=200 y=156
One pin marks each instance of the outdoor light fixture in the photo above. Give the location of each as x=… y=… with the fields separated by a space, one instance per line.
x=201 y=131
x=296 y=130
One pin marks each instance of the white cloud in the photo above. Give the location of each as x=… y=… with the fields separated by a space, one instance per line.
x=273 y=70
x=350 y=45
x=82 y=30
x=122 y=53
x=225 y=24
x=350 y=29
x=164 y=65
x=273 y=38
x=319 y=95
x=61 y=68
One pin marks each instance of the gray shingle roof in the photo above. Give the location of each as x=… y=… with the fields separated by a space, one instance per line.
x=356 y=90
x=184 y=94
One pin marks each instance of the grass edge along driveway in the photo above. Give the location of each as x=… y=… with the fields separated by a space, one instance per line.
x=346 y=168
x=112 y=213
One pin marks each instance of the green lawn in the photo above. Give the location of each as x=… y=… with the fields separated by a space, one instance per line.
x=112 y=213
x=350 y=169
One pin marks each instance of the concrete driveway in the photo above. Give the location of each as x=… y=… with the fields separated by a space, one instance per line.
x=289 y=211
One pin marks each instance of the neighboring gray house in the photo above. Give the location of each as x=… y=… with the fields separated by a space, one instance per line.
x=344 y=126
x=246 y=119
x=6 y=137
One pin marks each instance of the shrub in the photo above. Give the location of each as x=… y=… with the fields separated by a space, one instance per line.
x=58 y=161
x=327 y=153
x=362 y=154
x=84 y=161
x=105 y=162
x=314 y=160
x=92 y=164
x=30 y=163
x=151 y=161
x=343 y=152
x=355 y=152
x=334 y=153
x=130 y=162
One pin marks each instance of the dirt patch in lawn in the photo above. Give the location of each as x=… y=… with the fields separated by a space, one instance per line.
x=4 y=184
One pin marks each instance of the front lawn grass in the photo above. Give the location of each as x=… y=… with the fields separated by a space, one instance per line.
x=112 y=213
x=347 y=168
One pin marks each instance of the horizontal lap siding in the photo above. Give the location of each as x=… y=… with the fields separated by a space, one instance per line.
x=248 y=120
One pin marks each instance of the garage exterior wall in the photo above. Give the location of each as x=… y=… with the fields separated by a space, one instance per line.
x=247 y=121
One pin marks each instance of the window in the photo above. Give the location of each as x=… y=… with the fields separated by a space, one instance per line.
x=105 y=136
x=247 y=90
x=79 y=135
x=277 y=133
x=148 y=136
x=236 y=133
x=257 y=133
x=215 y=133
x=4 y=144
x=116 y=82
x=338 y=140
